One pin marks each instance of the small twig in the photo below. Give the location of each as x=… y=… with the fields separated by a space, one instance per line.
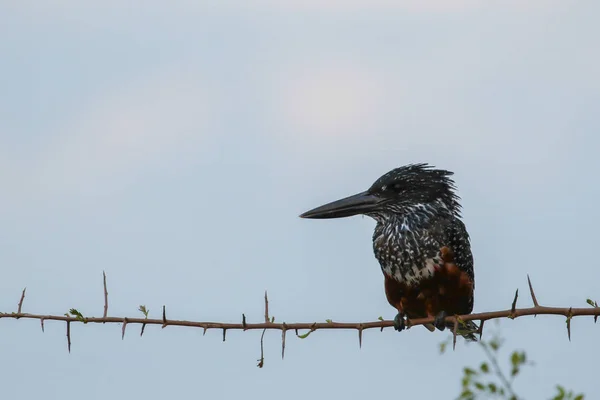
x=498 y=370
x=69 y=336
x=105 y=295
x=21 y=301
x=266 y=308
x=533 y=298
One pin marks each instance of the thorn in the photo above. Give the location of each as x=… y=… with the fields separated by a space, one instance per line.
x=224 y=333
x=454 y=333
x=283 y=332
x=514 y=305
x=481 y=322
x=21 y=301
x=261 y=361
x=533 y=298
x=124 y=326
x=105 y=296
x=296 y=330
x=142 y=331
x=360 y=331
x=244 y=322
x=42 y=323
x=204 y=332
x=164 y=317
x=569 y=316
x=69 y=336
x=266 y=308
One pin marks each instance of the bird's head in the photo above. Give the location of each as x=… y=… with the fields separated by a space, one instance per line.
x=411 y=189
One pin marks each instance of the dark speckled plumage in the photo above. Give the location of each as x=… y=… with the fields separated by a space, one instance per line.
x=418 y=219
x=421 y=216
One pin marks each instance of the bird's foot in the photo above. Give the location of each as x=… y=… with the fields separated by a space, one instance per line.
x=399 y=323
x=440 y=320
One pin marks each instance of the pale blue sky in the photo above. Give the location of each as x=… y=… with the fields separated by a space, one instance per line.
x=175 y=145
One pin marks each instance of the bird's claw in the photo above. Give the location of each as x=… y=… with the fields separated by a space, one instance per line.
x=440 y=320
x=399 y=323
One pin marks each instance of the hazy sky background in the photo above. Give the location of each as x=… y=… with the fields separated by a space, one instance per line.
x=174 y=146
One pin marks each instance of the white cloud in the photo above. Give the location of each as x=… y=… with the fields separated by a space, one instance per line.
x=157 y=118
x=328 y=99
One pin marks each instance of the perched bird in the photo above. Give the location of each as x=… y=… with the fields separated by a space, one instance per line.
x=421 y=244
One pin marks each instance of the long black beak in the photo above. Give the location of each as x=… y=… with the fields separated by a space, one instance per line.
x=358 y=204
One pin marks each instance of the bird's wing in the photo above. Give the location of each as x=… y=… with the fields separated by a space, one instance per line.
x=460 y=243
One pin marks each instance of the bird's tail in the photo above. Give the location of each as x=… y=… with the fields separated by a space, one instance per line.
x=466 y=329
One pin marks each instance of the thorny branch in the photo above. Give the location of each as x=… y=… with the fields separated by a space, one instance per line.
x=270 y=324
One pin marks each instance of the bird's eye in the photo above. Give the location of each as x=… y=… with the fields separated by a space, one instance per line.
x=394 y=188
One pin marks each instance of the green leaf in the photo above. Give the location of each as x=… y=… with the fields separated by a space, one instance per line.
x=77 y=315
x=578 y=397
x=443 y=347
x=480 y=386
x=522 y=357
x=514 y=359
x=305 y=335
x=484 y=368
x=272 y=319
x=469 y=371
x=561 y=393
x=144 y=310
x=592 y=302
x=492 y=387
x=494 y=344
x=380 y=318
x=328 y=321
x=465 y=381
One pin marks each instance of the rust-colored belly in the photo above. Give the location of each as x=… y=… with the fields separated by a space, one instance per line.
x=449 y=290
